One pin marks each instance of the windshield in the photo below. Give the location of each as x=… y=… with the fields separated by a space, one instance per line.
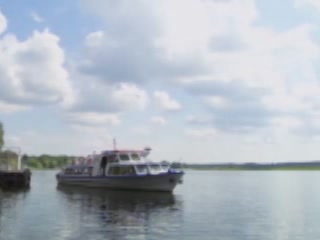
x=141 y=169
x=124 y=157
x=135 y=156
x=155 y=168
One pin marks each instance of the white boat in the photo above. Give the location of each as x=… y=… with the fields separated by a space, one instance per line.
x=122 y=169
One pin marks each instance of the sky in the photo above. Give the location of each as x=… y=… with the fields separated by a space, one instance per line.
x=196 y=80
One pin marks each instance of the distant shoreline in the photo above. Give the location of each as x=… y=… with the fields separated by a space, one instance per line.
x=49 y=162
x=306 y=166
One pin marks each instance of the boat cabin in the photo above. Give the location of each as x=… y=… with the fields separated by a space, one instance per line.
x=118 y=163
x=134 y=169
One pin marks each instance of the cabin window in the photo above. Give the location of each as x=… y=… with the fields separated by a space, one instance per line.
x=127 y=170
x=155 y=168
x=69 y=171
x=142 y=169
x=124 y=157
x=114 y=171
x=123 y=170
x=135 y=156
x=165 y=166
x=78 y=171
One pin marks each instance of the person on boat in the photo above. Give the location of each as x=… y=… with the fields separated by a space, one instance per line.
x=103 y=165
x=89 y=160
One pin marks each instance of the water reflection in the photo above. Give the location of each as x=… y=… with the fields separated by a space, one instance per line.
x=12 y=196
x=121 y=214
x=10 y=205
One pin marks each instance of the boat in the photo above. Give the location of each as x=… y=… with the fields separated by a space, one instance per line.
x=122 y=169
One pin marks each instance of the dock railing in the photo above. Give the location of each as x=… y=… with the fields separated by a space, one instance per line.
x=10 y=159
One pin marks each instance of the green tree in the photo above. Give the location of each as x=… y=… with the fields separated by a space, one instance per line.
x=1 y=136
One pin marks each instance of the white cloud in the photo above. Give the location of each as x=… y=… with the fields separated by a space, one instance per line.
x=11 y=108
x=32 y=71
x=181 y=18
x=165 y=102
x=95 y=39
x=36 y=17
x=96 y=96
x=130 y=97
x=246 y=73
x=158 y=120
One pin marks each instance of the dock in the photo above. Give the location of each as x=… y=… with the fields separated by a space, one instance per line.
x=12 y=175
x=15 y=179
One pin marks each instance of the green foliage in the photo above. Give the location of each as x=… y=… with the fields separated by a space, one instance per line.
x=1 y=136
x=295 y=166
x=46 y=161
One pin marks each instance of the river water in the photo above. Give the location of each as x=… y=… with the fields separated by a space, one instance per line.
x=208 y=205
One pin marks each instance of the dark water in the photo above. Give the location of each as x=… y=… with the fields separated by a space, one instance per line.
x=209 y=205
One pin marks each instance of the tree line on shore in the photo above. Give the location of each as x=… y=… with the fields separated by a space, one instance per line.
x=45 y=161
x=303 y=165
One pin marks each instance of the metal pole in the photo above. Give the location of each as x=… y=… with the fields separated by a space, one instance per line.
x=19 y=156
x=114 y=144
x=19 y=160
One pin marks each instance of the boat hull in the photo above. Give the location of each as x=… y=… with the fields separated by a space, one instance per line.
x=161 y=182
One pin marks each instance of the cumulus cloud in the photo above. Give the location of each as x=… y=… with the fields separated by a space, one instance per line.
x=98 y=97
x=32 y=71
x=165 y=102
x=260 y=75
x=131 y=48
x=129 y=97
x=246 y=74
x=126 y=51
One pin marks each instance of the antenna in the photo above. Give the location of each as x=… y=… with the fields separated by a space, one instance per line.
x=114 y=144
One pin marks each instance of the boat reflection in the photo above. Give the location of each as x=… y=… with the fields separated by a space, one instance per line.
x=11 y=202
x=120 y=213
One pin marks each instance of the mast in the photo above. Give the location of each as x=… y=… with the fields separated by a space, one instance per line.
x=114 y=144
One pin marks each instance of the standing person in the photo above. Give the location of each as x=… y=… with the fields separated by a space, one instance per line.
x=89 y=160
x=103 y=165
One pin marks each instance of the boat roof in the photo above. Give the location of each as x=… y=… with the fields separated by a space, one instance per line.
x=107 y=152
